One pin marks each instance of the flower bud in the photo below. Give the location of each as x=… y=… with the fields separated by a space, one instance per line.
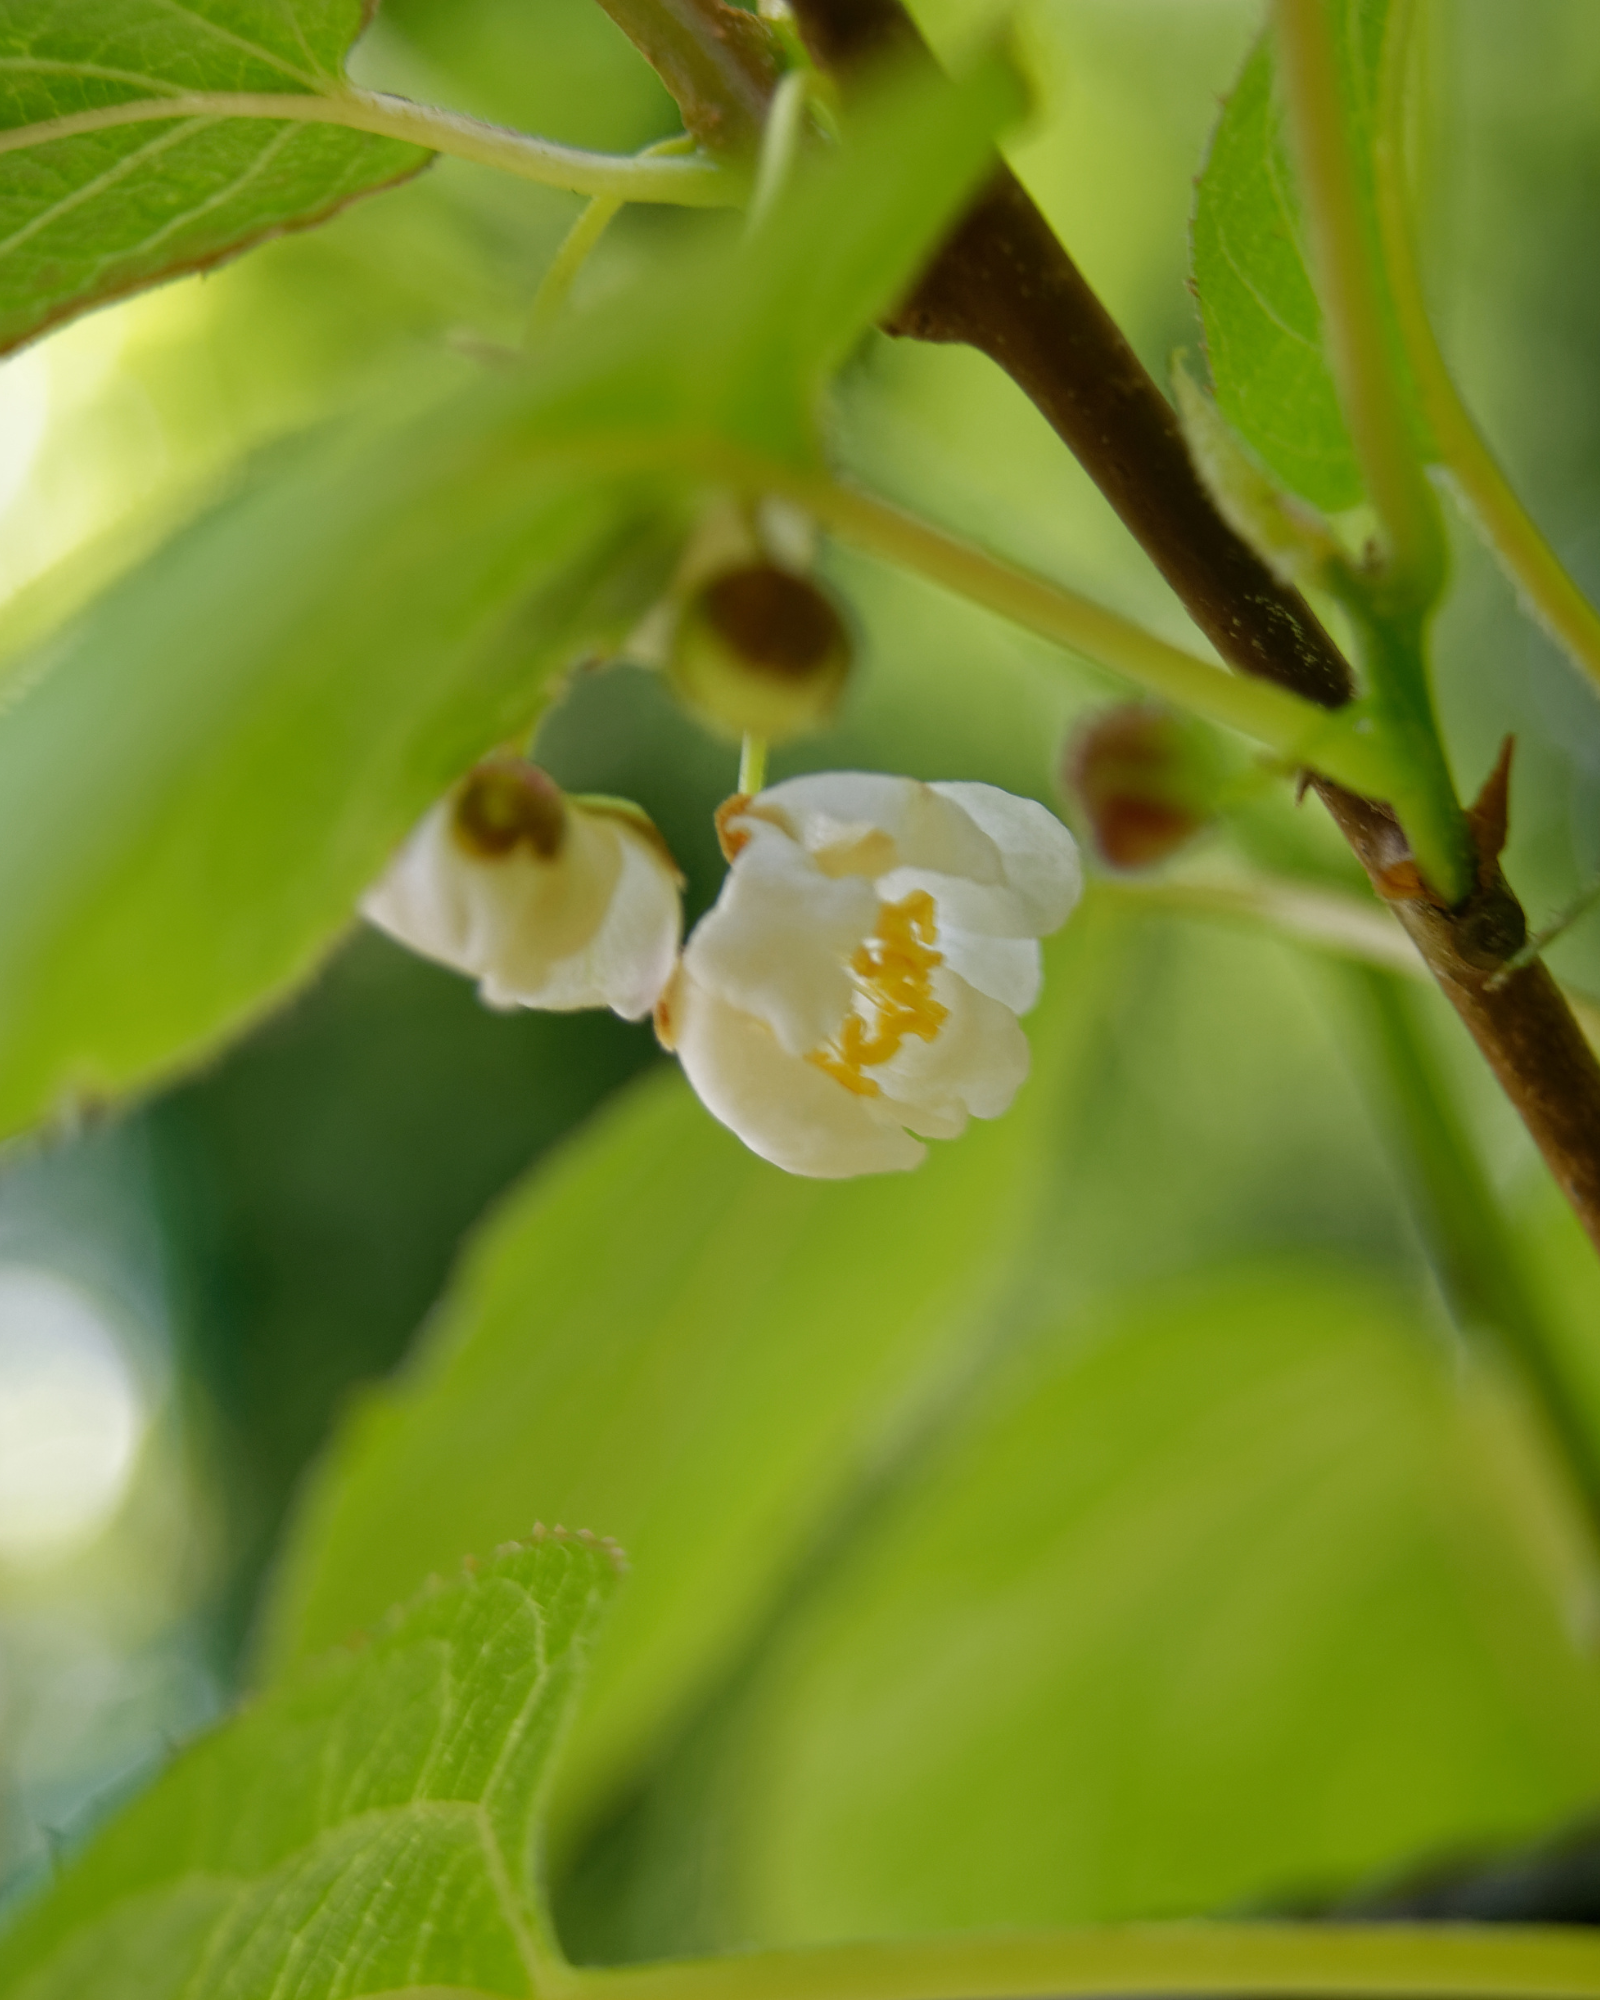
x=1146 y=781
x=760 y=651
x=548 y=901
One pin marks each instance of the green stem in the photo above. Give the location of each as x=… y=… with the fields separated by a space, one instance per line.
x=1392 y=604
x=1548 y=591
x=576 y=248
x=1298 y=730
x=752 y=765
x=1393 y=656
x=579 y=243
x=1509 y=1962
x=1460 y=1221
x=1349 y=288
x=692 y=183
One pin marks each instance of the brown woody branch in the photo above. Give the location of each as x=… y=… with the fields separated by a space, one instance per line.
x=1004 y=284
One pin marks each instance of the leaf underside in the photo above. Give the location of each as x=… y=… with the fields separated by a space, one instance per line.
x=94 y=215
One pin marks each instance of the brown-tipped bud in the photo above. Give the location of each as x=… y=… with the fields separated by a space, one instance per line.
x=505 y=802
x=1144 y=779
x=760 y=651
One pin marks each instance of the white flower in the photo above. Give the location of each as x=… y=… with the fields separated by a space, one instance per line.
x=860 y=977
x=548 y=901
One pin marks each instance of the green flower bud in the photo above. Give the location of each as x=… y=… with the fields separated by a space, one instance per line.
x=1145 y=780
x=761 y=652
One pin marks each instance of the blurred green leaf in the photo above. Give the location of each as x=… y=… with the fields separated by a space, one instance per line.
x=1223 y=1597
x=665 y=1336
x=733 y=346
x=217 y=758
x=203 y=773
x=1263 y=325
x=370 y=1827
x=93 y=214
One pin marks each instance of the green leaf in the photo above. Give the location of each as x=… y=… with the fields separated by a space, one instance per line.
x=87 y=215
x=1219 y=1598
x=665 y=1336
x=372 y=1826
x=734 y=346
x=1263 y=325
x=205 y=771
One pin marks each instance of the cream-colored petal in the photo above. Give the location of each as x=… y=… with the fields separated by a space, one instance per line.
x=1010 y=970
x=595 y=925
x=779 y=939
x=547 y=913
x=864 y=823
x=988 y=909
x=627 y=961
x=440 y=901
x=975 y=1064
x=781 y=1106
x=1040 y=857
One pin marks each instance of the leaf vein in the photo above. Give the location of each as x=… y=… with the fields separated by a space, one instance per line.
x=222 y=34
x=117 y=171
x=217 y=199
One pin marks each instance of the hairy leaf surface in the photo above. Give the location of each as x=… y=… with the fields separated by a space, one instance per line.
x=370 y=1827
x=86 y=215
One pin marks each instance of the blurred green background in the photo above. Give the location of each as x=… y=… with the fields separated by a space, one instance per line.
x=1186 y=1579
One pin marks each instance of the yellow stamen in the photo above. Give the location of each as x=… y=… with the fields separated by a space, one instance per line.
x=892 y=970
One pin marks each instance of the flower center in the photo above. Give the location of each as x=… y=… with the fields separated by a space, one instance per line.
x=893 y=971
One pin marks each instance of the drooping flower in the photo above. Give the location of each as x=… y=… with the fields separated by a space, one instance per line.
x=547 y=900
x=856 y=987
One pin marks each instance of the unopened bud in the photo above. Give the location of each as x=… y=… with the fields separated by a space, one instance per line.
x=1146 y=781
x=762 y=652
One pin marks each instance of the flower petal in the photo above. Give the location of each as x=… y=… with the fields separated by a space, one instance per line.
x=781 y=1106
x=1040 y=857
x=987 y=909
x=505 y=918
x=975 y=1064
x=592 y=919
x=780 y=937
x=1010 y=970
x=535 y=916
x=628 y=960
x=863 y=823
